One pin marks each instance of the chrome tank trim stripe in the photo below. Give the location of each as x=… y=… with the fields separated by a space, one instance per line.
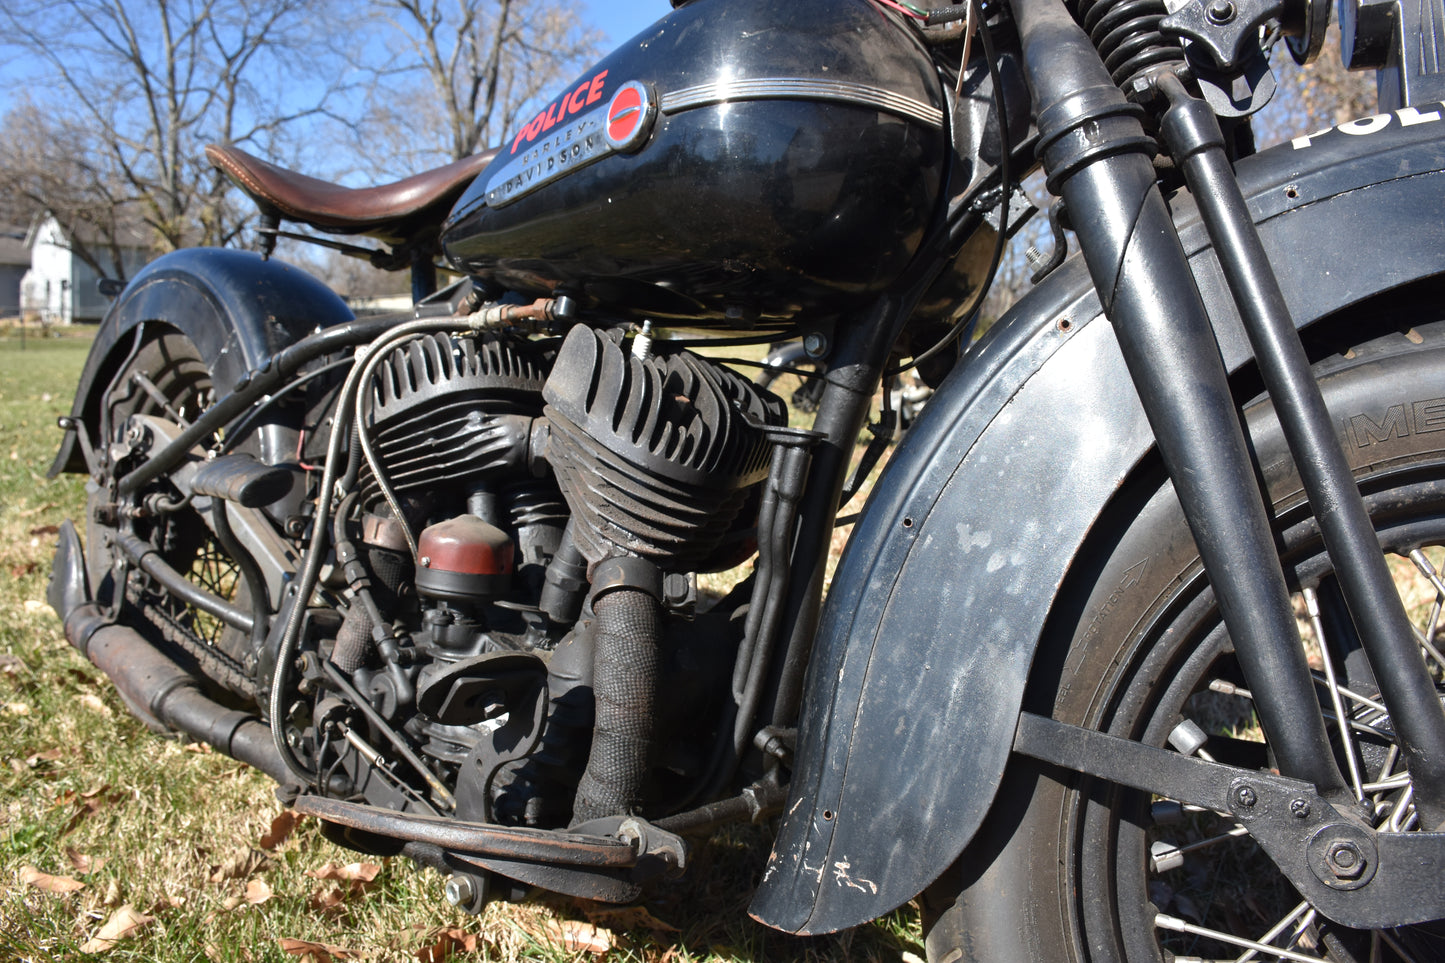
x=796 y=88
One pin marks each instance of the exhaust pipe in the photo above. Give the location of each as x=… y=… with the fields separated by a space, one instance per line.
x=156 y=689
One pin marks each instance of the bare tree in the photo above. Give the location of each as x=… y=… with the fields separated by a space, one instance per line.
x=140 y=87
x=471 y=68
x=51 y=165
x=1315 y=97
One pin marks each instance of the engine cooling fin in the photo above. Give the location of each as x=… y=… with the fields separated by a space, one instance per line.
x=655 y=456
x=439 y=407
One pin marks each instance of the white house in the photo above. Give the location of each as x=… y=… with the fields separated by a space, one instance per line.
x=14 y=262
x=60 y=287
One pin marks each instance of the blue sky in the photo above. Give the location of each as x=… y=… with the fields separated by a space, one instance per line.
x=623 y=18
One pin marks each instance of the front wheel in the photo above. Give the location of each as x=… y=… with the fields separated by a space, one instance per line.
x=1072 y=869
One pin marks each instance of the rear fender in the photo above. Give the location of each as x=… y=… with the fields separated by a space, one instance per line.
x=936 y=609
x=236 y=308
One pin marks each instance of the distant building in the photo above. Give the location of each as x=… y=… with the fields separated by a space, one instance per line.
x=60 y=288
x=14 y=262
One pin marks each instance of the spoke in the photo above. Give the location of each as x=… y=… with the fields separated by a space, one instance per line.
x=1182 y=926
x=1395 y=945
x=1166 y=856
x=1305 y=923
x=1385 y=785
x=1429 y=648
x=1225 y=687
x=1390 y=759
x=1351 y=694
x=1427 y=569
x=1312 y=605
x=1404 y=815
x=1275 y=930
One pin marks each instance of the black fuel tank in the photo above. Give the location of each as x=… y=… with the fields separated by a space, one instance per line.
x=739 y=158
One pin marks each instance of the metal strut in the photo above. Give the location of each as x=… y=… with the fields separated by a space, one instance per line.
x=1096 y=155
x=1386 y=634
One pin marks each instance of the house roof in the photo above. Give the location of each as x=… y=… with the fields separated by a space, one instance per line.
x=131 y=232
x=12 y=245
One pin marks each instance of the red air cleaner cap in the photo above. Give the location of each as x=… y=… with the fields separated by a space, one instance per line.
x=464 y=559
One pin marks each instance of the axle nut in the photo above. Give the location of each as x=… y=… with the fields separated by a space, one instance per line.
x=1345 y=860
x=1245 y=796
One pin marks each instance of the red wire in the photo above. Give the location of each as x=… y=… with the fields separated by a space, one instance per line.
x=903 y=10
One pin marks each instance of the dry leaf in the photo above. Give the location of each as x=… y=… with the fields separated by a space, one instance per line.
x=353 y=872
x=45 y=530
x=627 y=918
x=11 y=664
x=123 y=923
x=231 y=902
x=239 y=866
x=93 y=702
x=20 y=571
x=49 y=755
x=199 y=748
x=320 y=952
x=257 y=892
x=281 y=828
x=446 y=944
x=85 y=808
x=576 y=936
x=112 y=893
x=82 y=863
x=50 y=884
x=327 y=900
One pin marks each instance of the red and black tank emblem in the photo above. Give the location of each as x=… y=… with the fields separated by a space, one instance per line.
x=630 y=116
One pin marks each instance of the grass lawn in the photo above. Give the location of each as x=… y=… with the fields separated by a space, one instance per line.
x=108 y=829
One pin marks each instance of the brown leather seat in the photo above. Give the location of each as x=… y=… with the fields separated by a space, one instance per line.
x=395 y=213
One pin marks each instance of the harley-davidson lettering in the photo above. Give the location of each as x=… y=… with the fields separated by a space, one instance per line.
x=580 y=143
x=621 y=125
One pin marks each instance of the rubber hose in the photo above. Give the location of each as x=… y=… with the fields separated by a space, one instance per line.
x=624 y=687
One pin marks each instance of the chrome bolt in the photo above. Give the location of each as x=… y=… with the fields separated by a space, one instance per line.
x=460 y=891
x=1245 y=796
x=1299 y=808
x=815 y=344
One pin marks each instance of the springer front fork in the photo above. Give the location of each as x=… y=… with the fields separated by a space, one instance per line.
x=1096 y=156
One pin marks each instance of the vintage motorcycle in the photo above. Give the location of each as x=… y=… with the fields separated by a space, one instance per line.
x=436 y=573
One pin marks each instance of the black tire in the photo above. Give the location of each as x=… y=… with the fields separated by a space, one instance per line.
x=1061 y=869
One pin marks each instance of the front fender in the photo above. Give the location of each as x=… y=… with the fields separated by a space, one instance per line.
x=237 y=308
x=936 y=609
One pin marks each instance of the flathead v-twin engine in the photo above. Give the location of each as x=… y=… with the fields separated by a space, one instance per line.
x=528 y=475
